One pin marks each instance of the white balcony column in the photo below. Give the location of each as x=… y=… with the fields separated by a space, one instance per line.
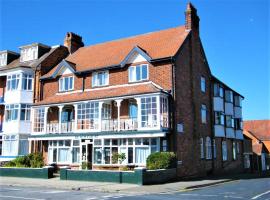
x=32 y=119
x=118 y=103
x=139 y=116
x=45 y=118
x=75 y=117
x=60 y=118
x=100 y=114
x=158 y=112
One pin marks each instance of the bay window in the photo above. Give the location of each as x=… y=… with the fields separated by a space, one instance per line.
x=13 y=82
x=149 y=112
x=100 y=78
x=219 y=118
x=238 y=101
x=138 y=73
x=66 y=84
x=218 y=90
x=229 y=121
x=238 y=124
x=12 y=111
x=27 y=82
x=25 y=112
x=164 y=112
x=229 y=96
x=88 y=115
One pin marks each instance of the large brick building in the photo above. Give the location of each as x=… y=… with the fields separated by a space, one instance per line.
x=138 y=95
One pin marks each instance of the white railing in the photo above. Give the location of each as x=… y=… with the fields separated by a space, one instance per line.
x=67 y=127
x=125 y=124
x=52 y=127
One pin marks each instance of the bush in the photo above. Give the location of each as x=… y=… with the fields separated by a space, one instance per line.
x=86 y=165
x=118 y=157
x=34 y=160
x=161 y=160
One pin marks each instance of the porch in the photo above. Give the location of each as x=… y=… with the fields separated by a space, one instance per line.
x=142 y=113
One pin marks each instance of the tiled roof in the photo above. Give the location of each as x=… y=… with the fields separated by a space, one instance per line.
x=256 y=145
x=267 y=145
x=30 y=64
x=101 y=93
x=160 y=44
x=259 y=128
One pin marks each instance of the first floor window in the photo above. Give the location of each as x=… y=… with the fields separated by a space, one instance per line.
x=229 y=96
x=218 y=90
x=66 y=84
x=202 y=147
x=238 y=124
x=203 y=113
x=13 y=82
x=219 y=118
x=234 y=150
x=27 y=81
x=224 y=151
x=88 y=114
x=39 y=114
x=203 y=84
x=100 y=78
x=149 y=112
x=208 y=148
x=25 y=112
x=164 y=112
x=12 y=111
x=138 y=73
x=229 y=121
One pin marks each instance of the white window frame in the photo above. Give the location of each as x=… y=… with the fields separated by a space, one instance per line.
x=10 y=111
x=27 y=112
x=51 y=147
x=132 y=76
x=88 y=116
x=148 y=118
x=13 y=78
x=28 y=79
x=62 y=83
x=39 y=115
x=96 y=82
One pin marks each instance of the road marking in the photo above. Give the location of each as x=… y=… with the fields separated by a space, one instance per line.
x=259 y=195
x=233 y=197
x=14 y=197
x=204 y=195
x=54 y=192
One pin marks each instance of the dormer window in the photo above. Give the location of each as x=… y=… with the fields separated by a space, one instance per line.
x=29 y=53
x=100 y=78
x=138 y=73
x=66 y=84
x=3 y=59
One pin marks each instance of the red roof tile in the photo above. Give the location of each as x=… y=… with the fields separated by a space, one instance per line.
x=158 y=44
x=101 y=93
x=259 y=128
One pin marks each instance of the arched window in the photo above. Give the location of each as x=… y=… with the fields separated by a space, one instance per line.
x=208 y=148
x=202 y=148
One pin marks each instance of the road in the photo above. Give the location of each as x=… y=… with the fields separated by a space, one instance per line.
x=254 y=189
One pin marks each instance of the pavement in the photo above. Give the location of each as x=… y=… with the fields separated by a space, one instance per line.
x=253 y=189
x=56 y=183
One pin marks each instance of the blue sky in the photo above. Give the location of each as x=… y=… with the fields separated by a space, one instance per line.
x=235 y=33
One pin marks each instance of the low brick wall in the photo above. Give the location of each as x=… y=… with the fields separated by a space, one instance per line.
x=138 y=176
x=46 y=172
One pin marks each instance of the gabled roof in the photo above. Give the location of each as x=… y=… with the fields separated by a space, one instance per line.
x=29 y=64
x=259 y=128
x=53 y=73
x=102 y=93
x=154 y=45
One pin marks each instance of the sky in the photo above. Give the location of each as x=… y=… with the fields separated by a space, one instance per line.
x=234 y=33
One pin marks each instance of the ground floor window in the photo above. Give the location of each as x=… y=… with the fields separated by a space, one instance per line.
x=246 y=161
x=136 y=150
x=23 y=147
x=61 y=151
x=1 y=143
x=10 y=145
x=234 y=150
x=224 y=151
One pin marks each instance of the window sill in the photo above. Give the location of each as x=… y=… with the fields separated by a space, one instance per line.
x=100 y=86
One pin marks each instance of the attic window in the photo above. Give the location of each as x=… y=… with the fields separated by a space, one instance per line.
x=29 y=53
x=3 y=59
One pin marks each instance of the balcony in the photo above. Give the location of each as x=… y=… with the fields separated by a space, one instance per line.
x=130 y=114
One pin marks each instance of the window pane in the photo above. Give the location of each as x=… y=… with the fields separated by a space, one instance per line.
x=144 y=72
x=138 y=73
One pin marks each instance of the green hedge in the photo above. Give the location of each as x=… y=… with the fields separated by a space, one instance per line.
x=161 y=160
x=33 y=160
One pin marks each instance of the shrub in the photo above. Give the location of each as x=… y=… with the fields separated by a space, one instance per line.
x=86 y=165
x=161 y=160
x=34 y=160
x=118 y=157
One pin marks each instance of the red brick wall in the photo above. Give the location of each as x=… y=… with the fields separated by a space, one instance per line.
x=160 y=75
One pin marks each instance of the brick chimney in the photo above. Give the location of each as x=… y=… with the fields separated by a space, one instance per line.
x=73 y=42
x=192 y=19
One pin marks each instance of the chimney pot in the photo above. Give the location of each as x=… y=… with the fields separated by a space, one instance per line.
x=73 y=42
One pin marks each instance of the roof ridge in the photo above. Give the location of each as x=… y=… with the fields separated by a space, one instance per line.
x=130 y=37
